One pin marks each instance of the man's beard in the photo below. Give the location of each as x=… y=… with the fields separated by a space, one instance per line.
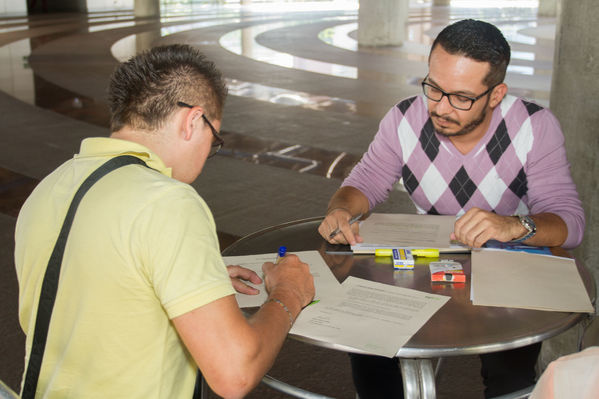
x=470 y=126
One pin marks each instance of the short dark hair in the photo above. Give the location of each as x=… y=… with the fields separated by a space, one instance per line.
x=480 y=41
x=144 y=90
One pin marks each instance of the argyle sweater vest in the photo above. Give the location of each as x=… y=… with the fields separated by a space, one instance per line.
x=440 y=180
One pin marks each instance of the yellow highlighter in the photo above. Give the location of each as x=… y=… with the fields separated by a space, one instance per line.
x=383 y=252
x=426 y=252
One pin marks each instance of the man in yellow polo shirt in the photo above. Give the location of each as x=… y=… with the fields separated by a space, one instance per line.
x=144 y=296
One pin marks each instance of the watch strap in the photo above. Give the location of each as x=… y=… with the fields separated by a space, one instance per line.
x=529 y=225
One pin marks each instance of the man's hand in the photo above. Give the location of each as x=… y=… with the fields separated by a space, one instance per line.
x=339 y=218
x=476 y=227
x=289 y=278
x=238 y=273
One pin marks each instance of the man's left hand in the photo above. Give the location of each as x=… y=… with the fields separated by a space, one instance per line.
x=239 y=273
x=477 y=226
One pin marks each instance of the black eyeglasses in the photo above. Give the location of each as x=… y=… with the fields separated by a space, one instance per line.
x=218 y=141
x=458 y=101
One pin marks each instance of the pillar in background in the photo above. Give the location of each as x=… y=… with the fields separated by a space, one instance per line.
x=382 y=22
x=146 y=8
x=548 y=8
x=574 y=91
x=444 y=2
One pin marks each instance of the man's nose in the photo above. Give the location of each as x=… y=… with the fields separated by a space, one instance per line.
x=444 y=106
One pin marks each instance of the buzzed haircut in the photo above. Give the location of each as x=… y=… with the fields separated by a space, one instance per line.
x=480 y=41
x=144 y=90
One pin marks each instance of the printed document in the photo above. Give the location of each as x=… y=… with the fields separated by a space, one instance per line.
x=368 y=317
x=324 y=280
x=383 y=230
x=528 y=281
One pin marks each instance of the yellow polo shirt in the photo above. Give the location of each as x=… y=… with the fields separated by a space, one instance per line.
x=142 y=250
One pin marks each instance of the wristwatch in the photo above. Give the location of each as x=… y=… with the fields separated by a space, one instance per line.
x=529 y=225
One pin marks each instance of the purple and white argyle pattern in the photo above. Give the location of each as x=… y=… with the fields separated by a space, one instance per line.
x=441 y=180
x=518 y=167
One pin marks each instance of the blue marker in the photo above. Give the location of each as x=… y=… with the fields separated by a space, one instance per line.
x=281 y=253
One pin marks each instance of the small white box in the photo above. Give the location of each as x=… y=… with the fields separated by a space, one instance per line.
x=402 y=259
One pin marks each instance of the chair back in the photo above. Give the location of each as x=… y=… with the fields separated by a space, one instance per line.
x=590 y=336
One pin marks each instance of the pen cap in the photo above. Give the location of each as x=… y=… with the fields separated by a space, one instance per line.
x=282 y=251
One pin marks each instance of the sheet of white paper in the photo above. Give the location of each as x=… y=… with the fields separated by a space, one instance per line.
x=371 y=317
x=324 y=280
x=528 y=281
x=407 y=231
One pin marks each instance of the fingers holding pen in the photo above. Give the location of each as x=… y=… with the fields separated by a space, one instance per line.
x=289 y=276
x=328 y=225
x=347 y=234
x=339 y=227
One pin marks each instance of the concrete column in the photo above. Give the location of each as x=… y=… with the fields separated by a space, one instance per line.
x=574 y=91
x=548 y=8
x=382 y=22
x=13 y=6
x=442 y=2
x=146 y=8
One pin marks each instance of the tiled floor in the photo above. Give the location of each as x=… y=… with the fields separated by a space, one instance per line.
x=304 y=103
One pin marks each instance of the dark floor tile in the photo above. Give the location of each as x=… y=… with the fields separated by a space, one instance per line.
x=14 y=190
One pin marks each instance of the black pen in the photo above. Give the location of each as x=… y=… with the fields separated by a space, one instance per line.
x=351 y=221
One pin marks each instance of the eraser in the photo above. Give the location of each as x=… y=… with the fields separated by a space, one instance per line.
x=447 y=271
x=402 y=259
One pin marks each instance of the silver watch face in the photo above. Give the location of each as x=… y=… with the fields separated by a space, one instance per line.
x=528 y=223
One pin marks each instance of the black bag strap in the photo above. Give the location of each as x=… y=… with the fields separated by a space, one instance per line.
x=50 y=283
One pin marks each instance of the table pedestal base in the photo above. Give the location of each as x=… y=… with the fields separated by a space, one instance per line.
x=418 y=378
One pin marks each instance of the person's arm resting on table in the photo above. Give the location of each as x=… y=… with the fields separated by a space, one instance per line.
x=234 y=353
x=477 y=226
x=553 y=200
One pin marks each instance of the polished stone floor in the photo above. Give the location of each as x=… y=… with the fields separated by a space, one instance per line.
x=305 y=101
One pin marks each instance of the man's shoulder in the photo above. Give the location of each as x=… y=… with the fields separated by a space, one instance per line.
x=522 y=114
x=512 y=106
x=410 y=105
x=411 y=109
x=156 y=184
x=409 y=116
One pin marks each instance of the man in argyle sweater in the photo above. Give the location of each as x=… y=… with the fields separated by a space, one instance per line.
x=466 y=148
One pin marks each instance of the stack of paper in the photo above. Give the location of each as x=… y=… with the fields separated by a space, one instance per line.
x=324 y=280
x=382 y=230
x=371 y=317
x=360 y=315
x=528 y=281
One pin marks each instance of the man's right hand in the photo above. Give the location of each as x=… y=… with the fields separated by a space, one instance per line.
x=290 y=277
x=339 y=218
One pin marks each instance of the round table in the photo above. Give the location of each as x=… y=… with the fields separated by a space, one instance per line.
x=458 y=328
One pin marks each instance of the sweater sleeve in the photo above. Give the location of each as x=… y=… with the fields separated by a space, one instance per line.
x=380 y=167
x=550 y=185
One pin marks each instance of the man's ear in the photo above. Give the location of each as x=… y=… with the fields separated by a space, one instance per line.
x=497 y=94
x=190 y=121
